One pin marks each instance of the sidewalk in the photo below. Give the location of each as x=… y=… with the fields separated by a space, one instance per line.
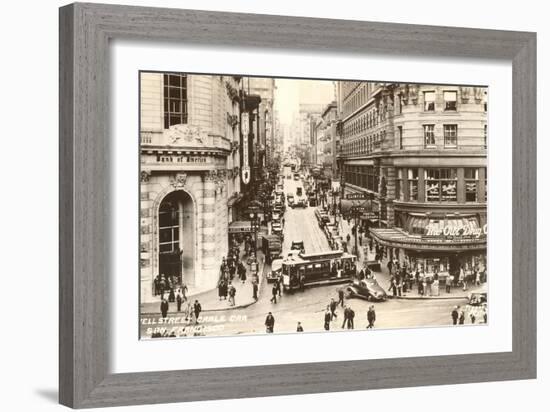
x=383 y=276
x=210 y=300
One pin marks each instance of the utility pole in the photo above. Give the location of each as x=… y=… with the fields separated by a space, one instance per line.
x=254 y=226
x=356 y=214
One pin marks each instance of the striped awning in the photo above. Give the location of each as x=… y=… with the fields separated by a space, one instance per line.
x=396 y=237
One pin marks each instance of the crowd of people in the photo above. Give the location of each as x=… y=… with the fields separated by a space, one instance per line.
x=348 y=314
x=234 y=269
x=404 y=278
x=458 y=315
x=191 y=311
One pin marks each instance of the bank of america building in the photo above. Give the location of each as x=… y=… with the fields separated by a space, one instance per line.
x=190 y=176
x=420 y=153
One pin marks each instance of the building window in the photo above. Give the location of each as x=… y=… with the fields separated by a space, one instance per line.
x=400 y=136
x=429 y=101
x=429 y=135
x=485 y=184
x=413 y=184
x=168 y=228
x=399 y=185
x=485 y=101
x=398 y=108
x=450 y=101
x=470 y=184
x=449 y=133
x=485 y=136
x=175 y=99
x=431 y=181
x=440 y=185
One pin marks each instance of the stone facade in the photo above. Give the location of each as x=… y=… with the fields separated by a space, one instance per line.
x=196 y=162
x=420 y=152
x=384 y=132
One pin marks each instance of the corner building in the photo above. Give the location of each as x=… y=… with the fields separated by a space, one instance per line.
x=420 y=152
x=189 y=176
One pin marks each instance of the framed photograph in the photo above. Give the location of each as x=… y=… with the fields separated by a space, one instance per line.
x=257 y=205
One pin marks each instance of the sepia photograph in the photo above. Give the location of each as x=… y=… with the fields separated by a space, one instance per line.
x=285 y=205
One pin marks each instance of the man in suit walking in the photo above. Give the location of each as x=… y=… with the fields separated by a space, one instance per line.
x=164 y=308
x=269 y=323
x=328 y=317
x=371 y=317
x=340 y=297
x=351 y=316
x=346 y=317
x=454 y=315
x=197 y=308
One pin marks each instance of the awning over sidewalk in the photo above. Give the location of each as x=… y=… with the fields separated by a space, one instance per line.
x=235 y=198
x=398 y=238
x=240 y=226
x=368 y=205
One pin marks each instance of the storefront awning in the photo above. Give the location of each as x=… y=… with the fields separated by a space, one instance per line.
x=398 y=238
x=368 y=205
x=240 y=226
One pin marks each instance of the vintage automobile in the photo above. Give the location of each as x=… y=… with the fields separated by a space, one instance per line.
x=373 y=265
x=336 y=242
x=276 y=228
x=290 y=200
x=476 y=309
x=322 y=217
x=301 y=202
x=365 y=288
x=275 y=272
x=330 y=230
x=297 y=245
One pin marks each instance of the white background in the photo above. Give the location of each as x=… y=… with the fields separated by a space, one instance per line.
x=29 y=171
x=131 y=355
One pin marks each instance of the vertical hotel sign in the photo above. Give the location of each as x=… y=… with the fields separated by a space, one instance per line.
x=246 y=166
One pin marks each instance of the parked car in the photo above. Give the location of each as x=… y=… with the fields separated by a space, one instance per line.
x=271 y=247
x=367 y=289
x=322 y=217
x=476 y=309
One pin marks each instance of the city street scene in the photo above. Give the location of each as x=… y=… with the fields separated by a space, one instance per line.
x=274 y=205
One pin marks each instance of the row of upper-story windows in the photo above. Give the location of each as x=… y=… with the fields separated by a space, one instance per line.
x=430 y=98
x=366 y=144
x=362 y=123
x=357 y=97
x=441 y=185
x=431 y=140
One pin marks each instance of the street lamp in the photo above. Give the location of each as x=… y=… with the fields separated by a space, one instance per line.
x=254 y=226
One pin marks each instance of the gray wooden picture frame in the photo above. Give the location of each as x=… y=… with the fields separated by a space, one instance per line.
x=85 y=32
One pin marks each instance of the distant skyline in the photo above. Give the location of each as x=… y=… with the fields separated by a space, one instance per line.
x=290 y=93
